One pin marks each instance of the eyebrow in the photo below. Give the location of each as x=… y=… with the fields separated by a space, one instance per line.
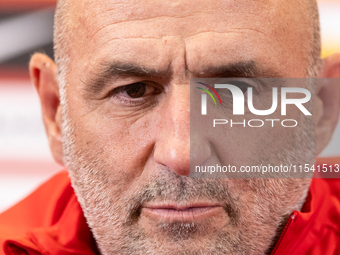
x=246 y=69
x=114 y=69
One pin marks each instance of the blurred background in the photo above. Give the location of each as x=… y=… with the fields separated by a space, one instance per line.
x=26 y=26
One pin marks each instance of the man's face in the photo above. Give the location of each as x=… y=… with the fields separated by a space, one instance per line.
x=127 y=128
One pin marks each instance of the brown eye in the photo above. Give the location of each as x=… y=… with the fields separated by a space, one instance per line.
x=135 y=90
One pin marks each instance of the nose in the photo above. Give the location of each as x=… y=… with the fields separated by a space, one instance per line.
x=174 y=147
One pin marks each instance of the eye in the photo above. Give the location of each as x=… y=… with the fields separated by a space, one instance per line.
x=135 y=90
x=136 y=94
x=241 y=85
x=245 y=83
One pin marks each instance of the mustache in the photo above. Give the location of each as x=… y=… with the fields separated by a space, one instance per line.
x=168 y=186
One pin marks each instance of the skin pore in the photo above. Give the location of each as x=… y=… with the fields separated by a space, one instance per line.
x=128 y=149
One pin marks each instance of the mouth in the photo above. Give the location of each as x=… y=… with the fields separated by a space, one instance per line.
x=182 y=212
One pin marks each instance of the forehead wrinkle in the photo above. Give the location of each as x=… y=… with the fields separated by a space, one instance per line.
x=234 y=31
x=196 y=15
x=250 y=9
x=243 y=10
x=137 y=20
x=190 y=35
x=187 y=13
x=238 y=30
x=175 y=9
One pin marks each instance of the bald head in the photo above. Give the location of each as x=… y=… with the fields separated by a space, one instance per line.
x=64 y=24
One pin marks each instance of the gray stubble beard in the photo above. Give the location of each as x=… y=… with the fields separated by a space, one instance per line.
x=114 y=220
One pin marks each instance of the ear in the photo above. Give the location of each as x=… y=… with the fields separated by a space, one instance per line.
x=327 y=104
x=43 y=73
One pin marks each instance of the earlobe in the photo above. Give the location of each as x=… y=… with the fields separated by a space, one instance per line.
x=327 y=103
x=43 y=73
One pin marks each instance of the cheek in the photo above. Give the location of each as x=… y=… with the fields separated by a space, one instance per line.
x=240 y=146
x=121 y=145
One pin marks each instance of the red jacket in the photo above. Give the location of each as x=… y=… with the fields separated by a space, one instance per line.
x=50 y=221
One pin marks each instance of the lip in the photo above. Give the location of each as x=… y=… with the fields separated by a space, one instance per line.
x=182 y=212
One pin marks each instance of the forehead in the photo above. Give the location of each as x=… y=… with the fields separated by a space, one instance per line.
x=203 y=31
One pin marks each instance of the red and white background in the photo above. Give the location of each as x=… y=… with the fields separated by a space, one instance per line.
x=26 y=27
